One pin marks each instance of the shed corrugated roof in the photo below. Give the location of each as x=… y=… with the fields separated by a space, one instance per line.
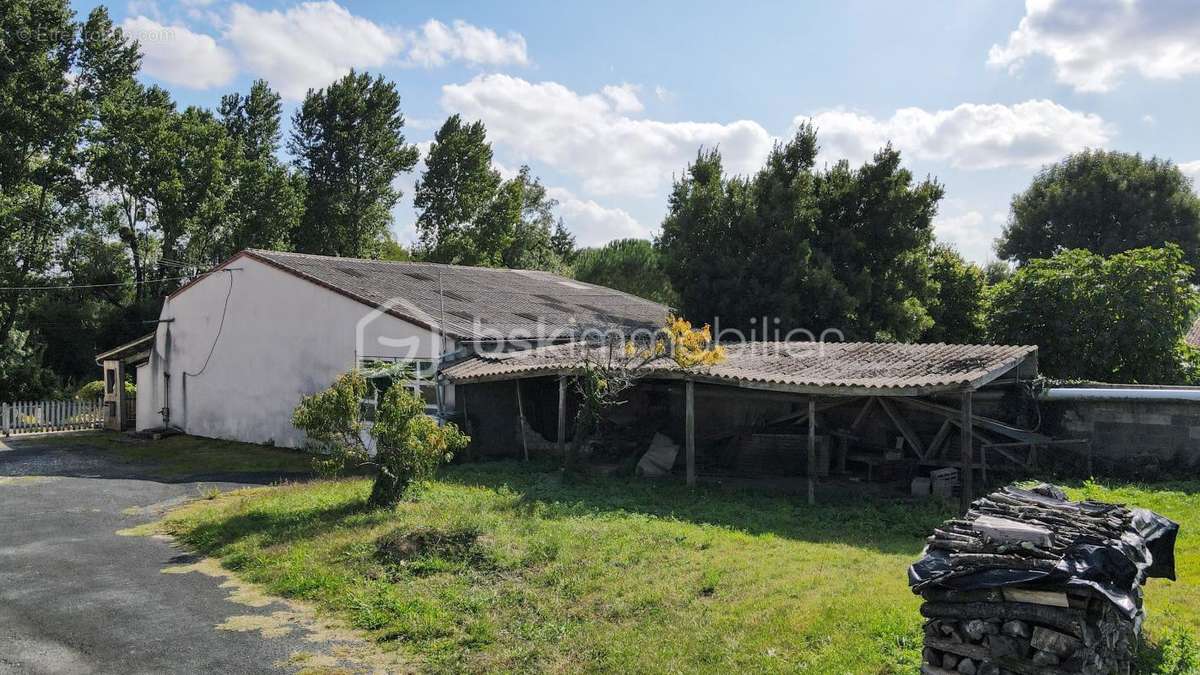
x=1193 y=335
x=479 y=302
x=845 y=367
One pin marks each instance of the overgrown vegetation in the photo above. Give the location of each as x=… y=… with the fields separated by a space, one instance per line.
x=607 y=371
x=504 y=567
x=408 y=444
x=1116 y=319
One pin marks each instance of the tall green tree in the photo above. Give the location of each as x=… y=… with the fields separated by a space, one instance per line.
x=191 y=198
x=1104 y=202
x=630 y=265
x=266 y=201
x=458 y=185
x=348 y=143
x=1120 y=318
x=470 y=216
x=48 y=71
x=539 y=239
x=956 y=305
x=842 y=247
x=41 y=118
x=130 y=165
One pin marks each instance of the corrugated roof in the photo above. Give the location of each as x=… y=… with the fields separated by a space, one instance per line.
x=132 y=351
x=479 y=302
x=845 y=367
x=1193 y=335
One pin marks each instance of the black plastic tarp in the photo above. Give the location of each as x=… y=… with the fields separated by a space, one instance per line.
x=1115 y=569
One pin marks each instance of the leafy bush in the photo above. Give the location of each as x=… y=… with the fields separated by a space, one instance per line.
x=1116 y=319
x=95 y=389
x=409 y=445
x=333 y=423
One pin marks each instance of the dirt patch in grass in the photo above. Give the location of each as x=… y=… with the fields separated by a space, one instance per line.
x=427 y=550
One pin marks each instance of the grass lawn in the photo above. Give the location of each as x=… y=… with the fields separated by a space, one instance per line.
x=176 y=457
x=503 y=567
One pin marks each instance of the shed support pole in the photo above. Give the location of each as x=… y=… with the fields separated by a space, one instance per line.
x=689 y=389
x=967 y=440
x=521 y=415
x=562 y=415
x=812 y=450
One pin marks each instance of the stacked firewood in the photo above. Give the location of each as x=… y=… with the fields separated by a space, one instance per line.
x=1029 y=582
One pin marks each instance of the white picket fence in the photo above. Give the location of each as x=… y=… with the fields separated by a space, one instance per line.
x=34 y=417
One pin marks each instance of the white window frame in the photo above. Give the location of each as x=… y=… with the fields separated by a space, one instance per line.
x=424 y=382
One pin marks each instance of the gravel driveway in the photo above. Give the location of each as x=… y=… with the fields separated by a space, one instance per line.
x=78 y=594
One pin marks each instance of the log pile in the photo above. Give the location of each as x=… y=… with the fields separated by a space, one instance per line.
x=1029 y=582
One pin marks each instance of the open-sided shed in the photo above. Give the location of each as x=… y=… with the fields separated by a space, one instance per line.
x=887 y=380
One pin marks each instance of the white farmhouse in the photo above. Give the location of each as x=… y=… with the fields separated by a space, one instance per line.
x=236 y=349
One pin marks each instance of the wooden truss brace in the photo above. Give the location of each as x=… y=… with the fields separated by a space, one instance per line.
x=994 y=426
x=905 y=428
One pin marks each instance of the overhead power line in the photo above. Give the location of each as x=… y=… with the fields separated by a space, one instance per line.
x=123 y=283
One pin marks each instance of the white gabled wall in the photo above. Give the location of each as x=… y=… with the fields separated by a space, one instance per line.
x=283 y=338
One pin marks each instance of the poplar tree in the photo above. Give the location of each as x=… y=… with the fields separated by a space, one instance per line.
x=349 y=145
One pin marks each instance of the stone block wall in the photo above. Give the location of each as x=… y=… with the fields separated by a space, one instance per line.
x=1165 y=433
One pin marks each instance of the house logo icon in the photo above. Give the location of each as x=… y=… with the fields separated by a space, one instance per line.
x=370 y=341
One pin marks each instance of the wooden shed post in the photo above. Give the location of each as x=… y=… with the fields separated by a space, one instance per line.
x=689 y=389
x=521 y=415
x=812 y=449
x=562 y=414
x=967 y=487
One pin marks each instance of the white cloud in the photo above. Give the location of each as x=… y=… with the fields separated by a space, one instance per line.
x=968 y=136
x=308 y=45
x=436 y=44
x=1149 y=120
x=968 y=232
x=140 y=8
x=1192 y=169
x=624 y=97
x=587 y=136
x=593 y=224
x=176 y=55
x=663 y=94
x=1093 y=43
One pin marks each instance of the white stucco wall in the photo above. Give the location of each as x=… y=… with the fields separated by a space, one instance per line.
x=146 y=416
x=283 y=338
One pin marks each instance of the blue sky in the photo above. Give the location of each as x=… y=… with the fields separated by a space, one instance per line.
x=607 y=101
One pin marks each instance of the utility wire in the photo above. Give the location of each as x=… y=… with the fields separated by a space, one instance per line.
x=220 y=327
x=123 y=283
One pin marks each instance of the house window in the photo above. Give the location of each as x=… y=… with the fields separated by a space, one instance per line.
x=382 y=375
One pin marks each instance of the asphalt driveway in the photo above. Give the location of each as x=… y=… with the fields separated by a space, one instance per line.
x=78 y=594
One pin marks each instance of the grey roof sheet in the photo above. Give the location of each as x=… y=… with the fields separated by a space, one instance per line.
x=1193 y=335
x=866 y=366
x=479 y=302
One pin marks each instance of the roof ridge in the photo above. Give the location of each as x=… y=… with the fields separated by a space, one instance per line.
x=418 y=263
